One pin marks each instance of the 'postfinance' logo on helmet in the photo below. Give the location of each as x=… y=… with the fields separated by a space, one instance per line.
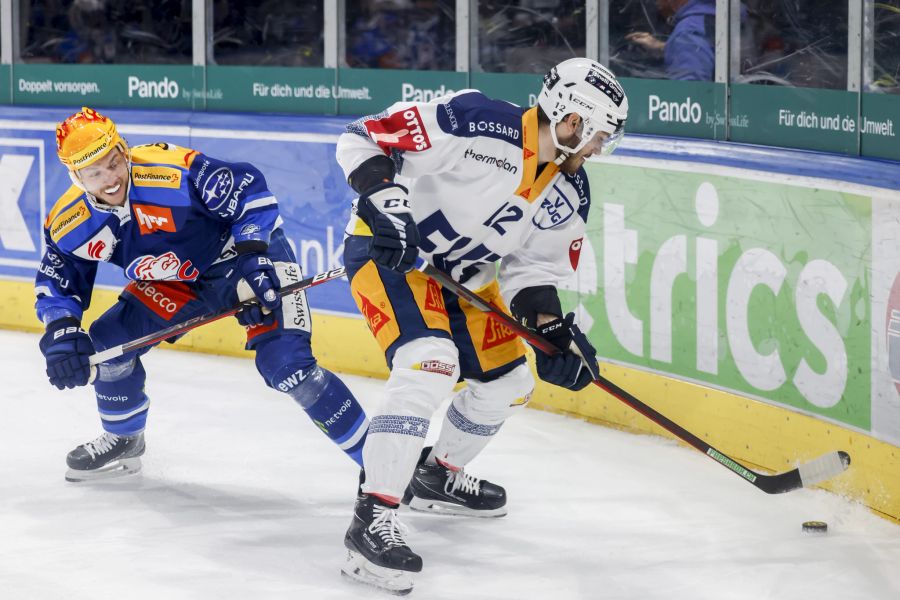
x=84 y=138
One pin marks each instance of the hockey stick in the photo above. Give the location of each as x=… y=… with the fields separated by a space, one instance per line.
x=185 y=326
x=806 y=474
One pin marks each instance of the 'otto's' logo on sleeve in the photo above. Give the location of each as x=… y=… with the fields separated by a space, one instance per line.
x=402 y=130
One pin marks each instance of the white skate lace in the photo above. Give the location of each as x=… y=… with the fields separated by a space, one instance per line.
x=102 y=444
x=460 y=480
x=388 y=527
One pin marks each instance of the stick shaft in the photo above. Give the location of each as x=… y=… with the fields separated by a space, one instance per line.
x=834 y=462
x=185 y=326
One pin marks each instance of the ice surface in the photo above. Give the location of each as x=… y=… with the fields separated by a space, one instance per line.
x=241 y=497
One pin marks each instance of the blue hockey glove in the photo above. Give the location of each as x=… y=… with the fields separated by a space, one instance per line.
x=395 y=238
x=259 y=276
x=576 y=366
x=67 y=349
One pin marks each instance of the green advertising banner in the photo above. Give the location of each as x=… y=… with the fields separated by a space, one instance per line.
x=754 y=287
x=679 y=108
x=127 y=86
x=5 y=91
x=879 y=126
x=518 y=88
x=271 y=89
x=794 y=117
x=367 y=91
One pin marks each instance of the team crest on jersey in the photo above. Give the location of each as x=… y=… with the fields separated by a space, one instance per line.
x=68 y=220
x=151 y=218
x=555 y=210
x=166 y=177
x=375 y=317
x=496 y=334
x=166 y=266
x=100 y=247
x=434 y=299
x=402 y=130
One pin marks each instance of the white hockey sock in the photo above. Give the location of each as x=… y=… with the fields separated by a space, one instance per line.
x=477 y=413
x=423 y=374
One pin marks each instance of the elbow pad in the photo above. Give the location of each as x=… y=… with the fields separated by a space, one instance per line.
x=374 y=171
x=532 y=301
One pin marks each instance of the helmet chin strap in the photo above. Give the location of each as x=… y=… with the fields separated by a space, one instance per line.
x=565 y=150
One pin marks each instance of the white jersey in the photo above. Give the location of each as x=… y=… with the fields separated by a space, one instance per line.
x=477 y=196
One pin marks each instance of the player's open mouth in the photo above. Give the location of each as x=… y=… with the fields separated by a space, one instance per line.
x=113 y=189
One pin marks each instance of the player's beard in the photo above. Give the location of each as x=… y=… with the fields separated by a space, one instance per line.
x=572 y=163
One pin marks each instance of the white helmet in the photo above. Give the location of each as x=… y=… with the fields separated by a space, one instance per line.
x=585 y=87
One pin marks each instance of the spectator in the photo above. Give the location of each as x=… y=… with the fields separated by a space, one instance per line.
x=689 y=53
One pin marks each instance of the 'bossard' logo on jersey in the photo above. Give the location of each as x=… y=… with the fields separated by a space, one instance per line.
x=166 y=177
x=67 y=220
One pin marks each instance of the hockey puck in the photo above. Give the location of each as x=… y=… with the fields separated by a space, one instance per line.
x=815 y=527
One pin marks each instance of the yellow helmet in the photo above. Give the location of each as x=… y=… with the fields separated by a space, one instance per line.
x=86 y=137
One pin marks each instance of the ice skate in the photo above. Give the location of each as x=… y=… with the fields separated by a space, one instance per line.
x=106 y=457
x=437 y=489
x=377 y=554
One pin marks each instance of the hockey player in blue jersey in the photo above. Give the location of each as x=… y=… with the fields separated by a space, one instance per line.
x=193 y=234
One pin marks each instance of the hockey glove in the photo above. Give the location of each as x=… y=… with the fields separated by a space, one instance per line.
x=576 y=366
x=395 y=238
x=258 y=280
x=67 y=349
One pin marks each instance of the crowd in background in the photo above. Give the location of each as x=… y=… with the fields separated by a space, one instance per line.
x=783 y=42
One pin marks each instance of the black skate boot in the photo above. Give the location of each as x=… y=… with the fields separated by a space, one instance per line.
x=437 y=489
x=108 y=456
x=377 y=553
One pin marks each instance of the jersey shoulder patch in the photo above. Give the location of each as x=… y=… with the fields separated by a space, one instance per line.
x=163 y=154
x=472 y=114
x=70 y=211
x=73 y=221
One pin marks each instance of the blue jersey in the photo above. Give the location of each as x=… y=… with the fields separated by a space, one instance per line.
x=184 y=213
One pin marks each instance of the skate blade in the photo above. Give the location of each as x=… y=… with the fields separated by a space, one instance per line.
x=115 y=469
x=438 y=507
x=361 y=570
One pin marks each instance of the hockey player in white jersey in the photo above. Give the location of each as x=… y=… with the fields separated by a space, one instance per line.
x=465 y=182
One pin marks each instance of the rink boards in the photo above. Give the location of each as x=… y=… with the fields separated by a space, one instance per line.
x=748 y=295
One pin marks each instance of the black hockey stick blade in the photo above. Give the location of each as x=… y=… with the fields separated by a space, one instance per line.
x=807 y=474
x=185 y=326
